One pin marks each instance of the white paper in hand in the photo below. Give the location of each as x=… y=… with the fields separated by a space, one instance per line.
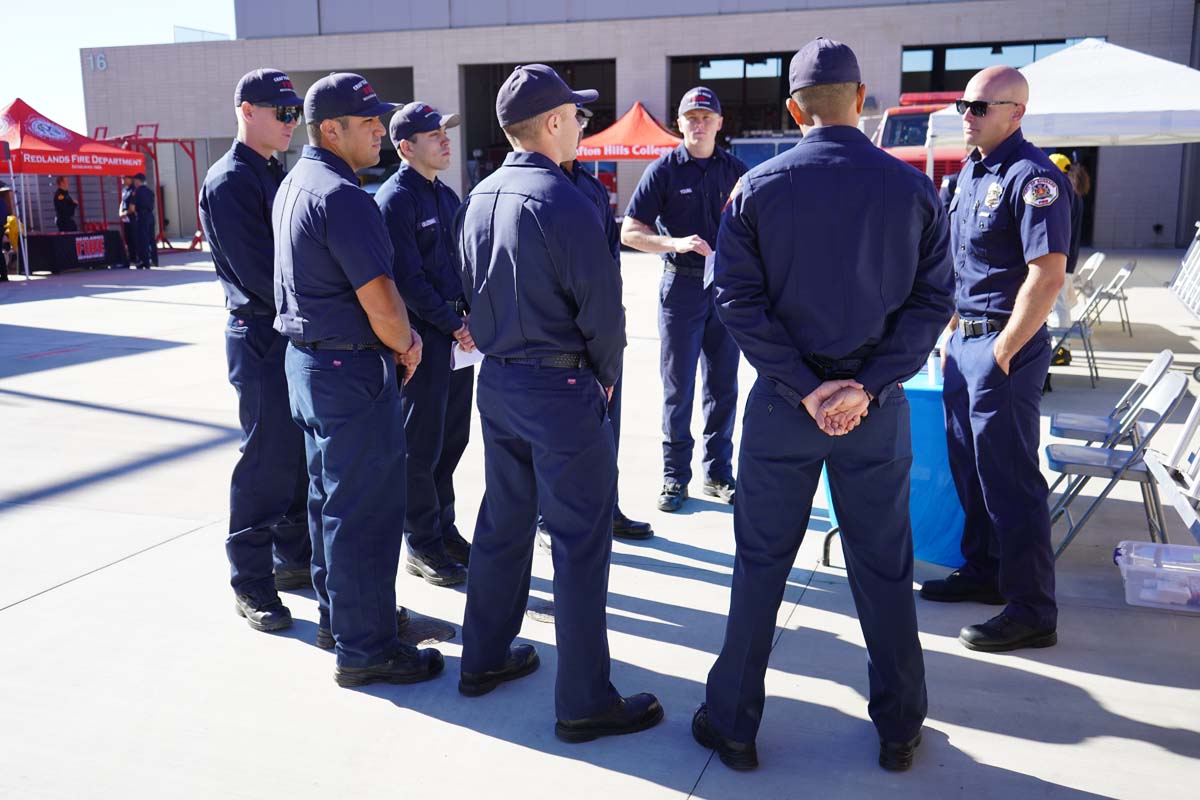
x=709 y=261
x=461 y=359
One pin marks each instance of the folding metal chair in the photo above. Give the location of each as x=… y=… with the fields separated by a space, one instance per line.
x=1084 y=278
x=1114 y=291
x=1085 y=463
x=1080 y=328
x=1177 y=474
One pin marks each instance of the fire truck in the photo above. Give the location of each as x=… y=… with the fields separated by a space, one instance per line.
x=902 y=131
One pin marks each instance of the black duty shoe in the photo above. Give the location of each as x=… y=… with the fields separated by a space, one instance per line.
x=898 y=756
x=630 y=715
x=626 y=528
x=408 y=666
x=457 y=548
x=723 y=490
x=1002 y=633
x=269 y=616
x=325 y=636
x=438 y=569
x=522 y=660
x=288 y=580
x=672 y=497
x=735 y=755
x=958 y=588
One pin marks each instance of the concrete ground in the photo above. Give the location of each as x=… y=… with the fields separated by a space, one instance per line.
x=126 y=674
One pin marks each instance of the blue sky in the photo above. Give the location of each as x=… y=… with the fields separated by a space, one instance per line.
x=39 y=55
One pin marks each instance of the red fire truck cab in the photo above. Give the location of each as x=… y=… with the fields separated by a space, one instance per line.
x=902 y=131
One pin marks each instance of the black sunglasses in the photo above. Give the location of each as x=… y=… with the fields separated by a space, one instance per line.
x=285 y=114
x=979 y=108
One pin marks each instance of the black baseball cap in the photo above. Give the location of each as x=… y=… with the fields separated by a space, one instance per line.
x=343 y=94
x=418 y=117
x=700 y=97
x=823 y=61
x=266 y=87
x=140 y=176
x=532 y=89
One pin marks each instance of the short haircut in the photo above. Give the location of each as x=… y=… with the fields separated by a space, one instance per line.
x=314 y=130
x=826 y=99
x=526 y=129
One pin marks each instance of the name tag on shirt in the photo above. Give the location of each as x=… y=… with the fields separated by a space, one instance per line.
x=426 y=223
x=685 y=191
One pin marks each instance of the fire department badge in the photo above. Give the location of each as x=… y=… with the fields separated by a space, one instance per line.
x=1040 y=192
x=994 y=192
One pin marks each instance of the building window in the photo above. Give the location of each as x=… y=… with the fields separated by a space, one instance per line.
x=752 y=88
x=948 y=67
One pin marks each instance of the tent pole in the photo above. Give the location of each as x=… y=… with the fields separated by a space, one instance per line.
x=24 y=232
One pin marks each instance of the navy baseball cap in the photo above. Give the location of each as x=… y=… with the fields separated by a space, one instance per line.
x=140 y=176
x=266 y=86
x=418 y=117
x=700 y=97
x=823 y=61
x=533 y=89
x=343 y=94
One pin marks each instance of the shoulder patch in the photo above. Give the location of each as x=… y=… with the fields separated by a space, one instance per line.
x=1040 y=192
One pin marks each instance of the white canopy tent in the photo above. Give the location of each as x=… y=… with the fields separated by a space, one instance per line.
x=1097 y=94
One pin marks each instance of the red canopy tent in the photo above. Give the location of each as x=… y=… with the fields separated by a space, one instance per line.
x=36 y=145
x=636 y=136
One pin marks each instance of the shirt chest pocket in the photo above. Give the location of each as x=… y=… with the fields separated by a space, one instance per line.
x=991 y=233
x=428 y=231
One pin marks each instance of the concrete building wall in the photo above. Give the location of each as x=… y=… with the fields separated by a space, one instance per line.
x=187 y=88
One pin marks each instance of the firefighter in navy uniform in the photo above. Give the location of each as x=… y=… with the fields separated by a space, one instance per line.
x=144 y=223
x=833 y=276
x=268 y=543
x=1011 y=235
x=675 y=211
x=419 y=212
x=64 y=208
x=546 y=308
x=336 y=300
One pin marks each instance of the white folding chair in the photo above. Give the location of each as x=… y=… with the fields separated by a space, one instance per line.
x=1085 y=462
x=1177 y=474
x=1114 y=291
x=1084 y=278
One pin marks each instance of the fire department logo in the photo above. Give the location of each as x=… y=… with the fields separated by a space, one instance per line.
x=1040 y=192
x=45 y=129
x=994 y=192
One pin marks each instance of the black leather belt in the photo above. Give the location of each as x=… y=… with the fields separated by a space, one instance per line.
x=833 y=369
x=979 y=327
x=338 y=345
x=687 y=272
x=561 y=361
x=246 y=312
x=459 y=307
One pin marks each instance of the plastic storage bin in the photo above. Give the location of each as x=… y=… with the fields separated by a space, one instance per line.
x=1160 y=575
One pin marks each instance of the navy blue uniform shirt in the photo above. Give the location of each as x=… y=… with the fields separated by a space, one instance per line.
x=419 y=214
x=682 y=197
x=537 y=270
x=834 y=248
x=64 y=205
x=330 y=241
x=1011 y=208
x=1076 y=227
x=143 y=201
x=235 y=213
x=597 y=192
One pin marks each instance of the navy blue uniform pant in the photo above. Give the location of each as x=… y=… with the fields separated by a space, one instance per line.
x=437 y=427
x=268 y=520
x=547 y=440
x=348 y=406
x=132 y=249
x=146 y=241
x=779 y=466
x=691 y=331
x=993 y=424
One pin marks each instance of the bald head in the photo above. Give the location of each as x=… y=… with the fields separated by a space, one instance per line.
x=998 y=83
x=1005 y=91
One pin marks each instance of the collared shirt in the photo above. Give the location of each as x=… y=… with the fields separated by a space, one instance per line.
x=682 y=198
x=1011 y=207
x=837 y=249
x=537 y=270
x=127 y=208
x=330 y=241
x=235 y=214
x=64 y=205
x=419 y=214
x=597 y=192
